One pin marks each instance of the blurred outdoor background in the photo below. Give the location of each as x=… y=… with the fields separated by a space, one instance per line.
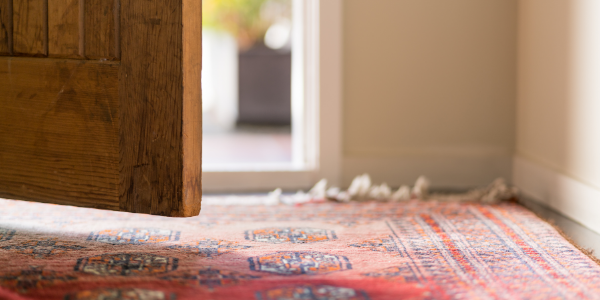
x=246 y=83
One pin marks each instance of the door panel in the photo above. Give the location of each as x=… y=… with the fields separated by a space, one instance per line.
x=59 y=123
x=108 y=112
x=63 y=28
x=149 y=91
x=100 y=33
x=5 y=26
x=30 y=27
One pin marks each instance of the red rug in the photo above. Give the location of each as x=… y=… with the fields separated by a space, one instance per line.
x=358 y=251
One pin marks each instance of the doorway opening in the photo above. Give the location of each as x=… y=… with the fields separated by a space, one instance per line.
x=253 y=85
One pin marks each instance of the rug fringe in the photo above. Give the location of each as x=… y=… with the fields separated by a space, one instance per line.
x=362 y=189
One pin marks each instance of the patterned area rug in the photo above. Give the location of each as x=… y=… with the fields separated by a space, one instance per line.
x=328 y=251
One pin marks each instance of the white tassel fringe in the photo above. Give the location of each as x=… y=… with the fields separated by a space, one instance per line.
x=362 y=189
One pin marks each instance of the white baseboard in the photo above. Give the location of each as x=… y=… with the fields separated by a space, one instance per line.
x=444 y=171
x=570 y=197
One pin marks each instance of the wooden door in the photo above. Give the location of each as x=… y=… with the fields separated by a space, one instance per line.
x=100 y=104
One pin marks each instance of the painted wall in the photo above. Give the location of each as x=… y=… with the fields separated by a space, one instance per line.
x=558 y=107
x=429 y=88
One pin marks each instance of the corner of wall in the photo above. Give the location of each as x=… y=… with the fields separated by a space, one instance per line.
x=569 y=196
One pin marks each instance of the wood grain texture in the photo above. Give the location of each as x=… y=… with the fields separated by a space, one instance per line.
x=63 y=28
x=59 y=131
x=192 y=107
x=6 y=27
x=30 y=27
x=115 y=135
x=160 y=136
x=117 y=10
x=151 y=107
x=100 y=29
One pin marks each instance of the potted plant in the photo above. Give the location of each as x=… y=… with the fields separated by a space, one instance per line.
x=264 y=70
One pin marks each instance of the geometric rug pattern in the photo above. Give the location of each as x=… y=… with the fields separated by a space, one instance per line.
x=358 y=251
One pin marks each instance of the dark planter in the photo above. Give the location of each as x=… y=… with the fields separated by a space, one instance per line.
x=265 y=82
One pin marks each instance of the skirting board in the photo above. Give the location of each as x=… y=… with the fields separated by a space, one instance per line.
x=444 y=171
x=248 y=182
x=566 y=195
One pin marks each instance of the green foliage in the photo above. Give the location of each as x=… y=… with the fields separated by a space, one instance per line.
x=244 y=19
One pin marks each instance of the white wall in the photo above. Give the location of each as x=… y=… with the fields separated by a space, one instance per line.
x=558 y=106
x=429 y=88
x=460 y=90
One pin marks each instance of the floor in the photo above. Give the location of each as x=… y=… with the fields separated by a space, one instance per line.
x=419 y=250
x=580 y=234
x=246 y=145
